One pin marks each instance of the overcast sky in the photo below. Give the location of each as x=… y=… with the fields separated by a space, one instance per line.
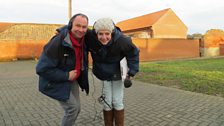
x=198 y=15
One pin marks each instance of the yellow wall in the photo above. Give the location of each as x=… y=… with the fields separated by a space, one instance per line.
x=169 y=26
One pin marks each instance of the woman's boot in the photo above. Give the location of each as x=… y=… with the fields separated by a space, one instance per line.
x=108 y=117
x=119 y=117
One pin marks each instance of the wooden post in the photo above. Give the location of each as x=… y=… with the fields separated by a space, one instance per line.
x=69 y=9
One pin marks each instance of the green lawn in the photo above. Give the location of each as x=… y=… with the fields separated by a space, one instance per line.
x=203 y=75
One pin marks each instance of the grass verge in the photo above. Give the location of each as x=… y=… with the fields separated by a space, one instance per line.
x=203 y=76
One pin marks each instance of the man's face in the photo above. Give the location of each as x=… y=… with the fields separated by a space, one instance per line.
x=79 y=27
x=104 y=36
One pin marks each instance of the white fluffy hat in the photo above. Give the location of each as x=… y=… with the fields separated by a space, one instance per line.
x=104 y=24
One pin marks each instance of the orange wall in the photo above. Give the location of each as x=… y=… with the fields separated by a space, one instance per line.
x=20 y=49
x=165 y=49
x=150 y=49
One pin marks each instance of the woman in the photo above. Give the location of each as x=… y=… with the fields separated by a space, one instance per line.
x=108 y=46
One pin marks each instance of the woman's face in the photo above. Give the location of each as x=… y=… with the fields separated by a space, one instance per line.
x=104 y=36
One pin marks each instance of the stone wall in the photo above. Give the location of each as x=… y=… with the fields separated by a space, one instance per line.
x=29 y=32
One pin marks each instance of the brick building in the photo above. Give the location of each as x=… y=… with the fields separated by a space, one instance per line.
x=161 y=24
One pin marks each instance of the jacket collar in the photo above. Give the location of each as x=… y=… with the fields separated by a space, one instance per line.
x=67 y=41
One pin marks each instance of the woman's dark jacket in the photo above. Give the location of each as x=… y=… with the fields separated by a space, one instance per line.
x=106 y=58
x=53 y=67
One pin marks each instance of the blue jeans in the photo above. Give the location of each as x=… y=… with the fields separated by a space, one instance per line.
x=113 y=91
x=71 y=106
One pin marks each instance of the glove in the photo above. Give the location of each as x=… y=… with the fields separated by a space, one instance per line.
x=127 y=82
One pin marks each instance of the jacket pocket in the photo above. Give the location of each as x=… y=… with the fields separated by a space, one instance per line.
x=48 y=86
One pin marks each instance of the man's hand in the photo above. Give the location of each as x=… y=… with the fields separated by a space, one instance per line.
x=72 y=75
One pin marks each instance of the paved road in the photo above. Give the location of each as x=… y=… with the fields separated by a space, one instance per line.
x=146 y=105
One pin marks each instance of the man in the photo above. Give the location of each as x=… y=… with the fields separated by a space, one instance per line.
x=62 y=68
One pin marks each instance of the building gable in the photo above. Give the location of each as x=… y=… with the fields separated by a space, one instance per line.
x=141 y=21
x=170 y=18
x=169 y=26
